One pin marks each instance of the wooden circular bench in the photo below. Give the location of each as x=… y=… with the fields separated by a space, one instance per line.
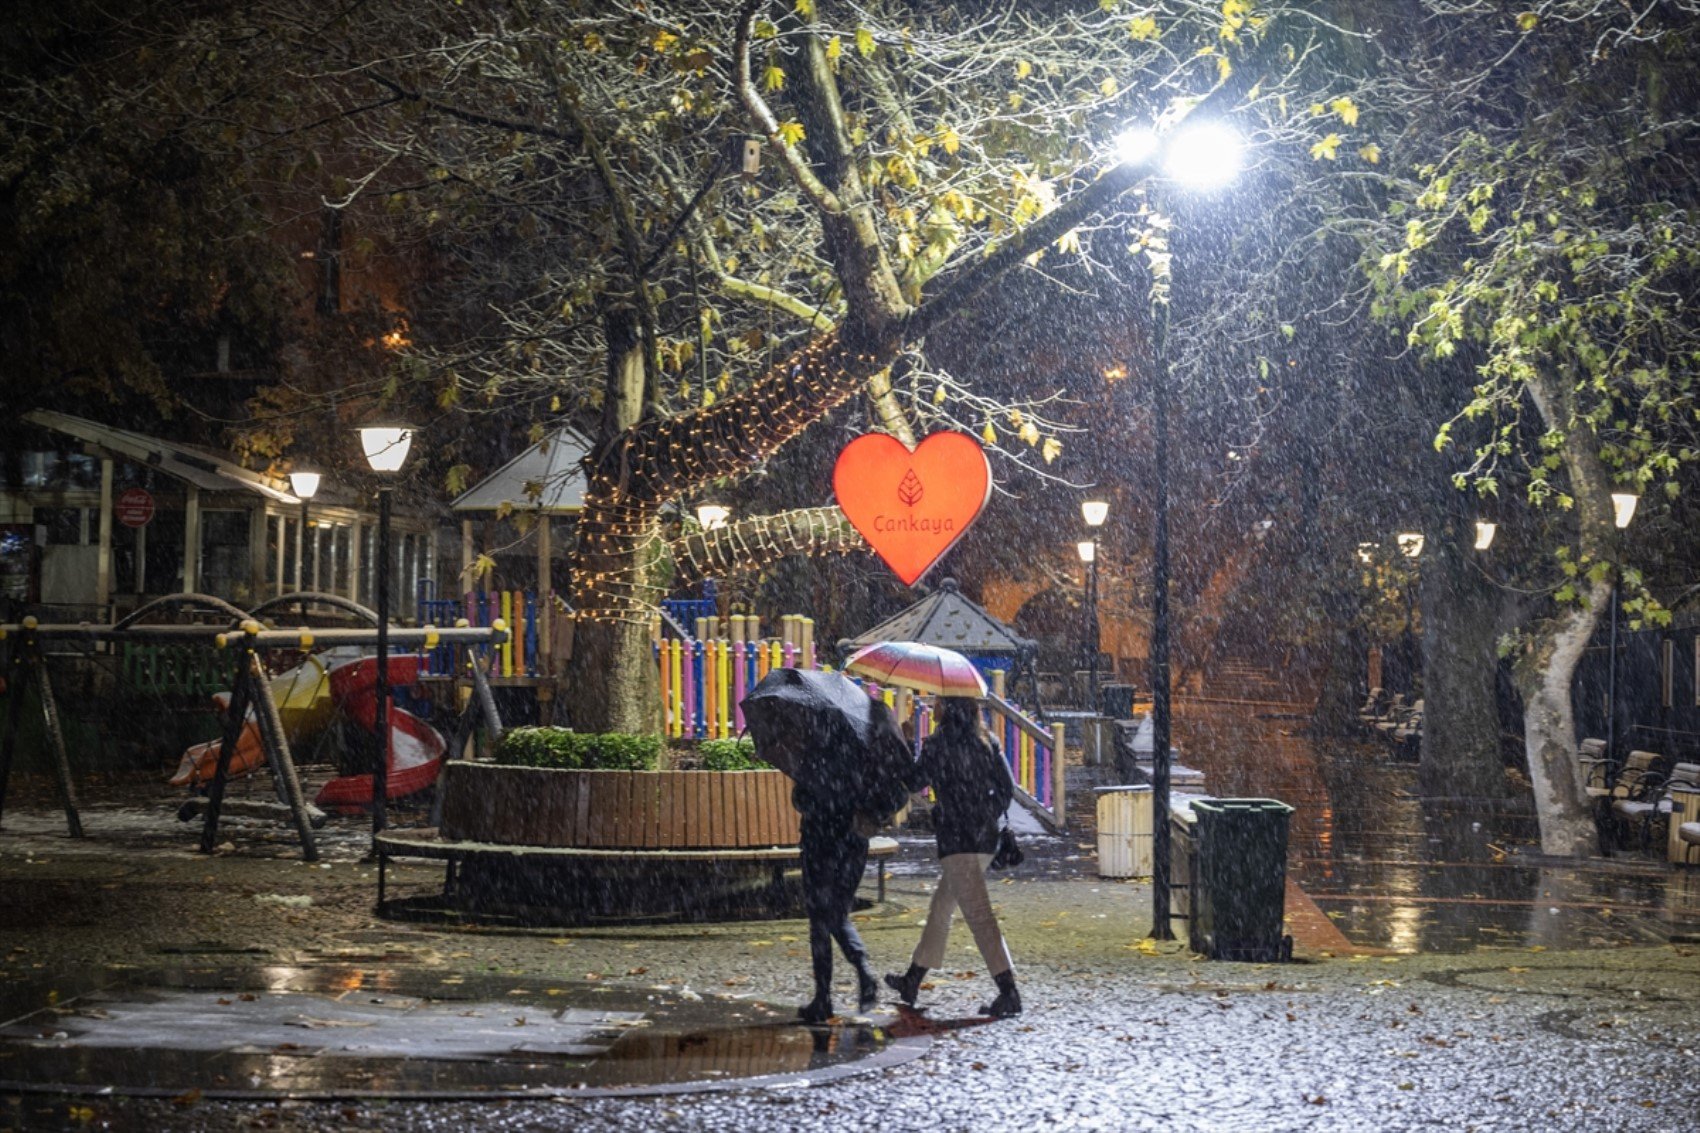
x=426 y=842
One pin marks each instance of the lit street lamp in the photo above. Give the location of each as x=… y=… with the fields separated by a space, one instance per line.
x=1622 y=511
x=386 y=450
x=305 y=484
x=1094 y=512
x=1201 y=155
x=713 y=516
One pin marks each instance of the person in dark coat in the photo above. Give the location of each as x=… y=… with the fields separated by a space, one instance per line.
x=835 y=852
x=972 y=789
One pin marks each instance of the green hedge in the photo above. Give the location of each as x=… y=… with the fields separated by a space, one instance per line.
x=578 y=751
x=730 y=755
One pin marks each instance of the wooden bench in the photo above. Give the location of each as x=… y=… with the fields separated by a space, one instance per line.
x=428 y=843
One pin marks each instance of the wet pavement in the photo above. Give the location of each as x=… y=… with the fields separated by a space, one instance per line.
x=1572 y=1022
x=1394 y=871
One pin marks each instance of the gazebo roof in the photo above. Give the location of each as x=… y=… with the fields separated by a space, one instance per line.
x=552 y=464
x=947 y=619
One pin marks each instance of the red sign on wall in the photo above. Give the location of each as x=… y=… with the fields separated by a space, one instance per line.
x=134 y=507
x=911 y=506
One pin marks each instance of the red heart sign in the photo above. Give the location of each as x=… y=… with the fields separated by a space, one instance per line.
x=911 y=506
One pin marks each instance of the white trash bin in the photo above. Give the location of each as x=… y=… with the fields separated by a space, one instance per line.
x=1124 y=831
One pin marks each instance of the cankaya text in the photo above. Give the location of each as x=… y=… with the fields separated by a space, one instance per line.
x=883 y=523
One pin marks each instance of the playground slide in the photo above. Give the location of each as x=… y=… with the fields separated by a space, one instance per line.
x=307 y=698
x=303 y=699
x=415 y=748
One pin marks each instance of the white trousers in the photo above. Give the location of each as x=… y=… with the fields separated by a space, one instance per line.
x=962 y=881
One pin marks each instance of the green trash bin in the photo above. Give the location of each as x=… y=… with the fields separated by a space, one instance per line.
x=1239 y=879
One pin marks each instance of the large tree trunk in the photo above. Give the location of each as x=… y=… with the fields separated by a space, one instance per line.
x=1546 y=673
x=1544 y=677
x=612 y=684
x=1460 y=742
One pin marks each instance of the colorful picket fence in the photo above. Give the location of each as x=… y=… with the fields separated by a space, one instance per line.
x=702 y=683
x=516 y=657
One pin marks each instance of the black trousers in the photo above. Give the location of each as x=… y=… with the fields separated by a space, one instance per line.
x=832 y=869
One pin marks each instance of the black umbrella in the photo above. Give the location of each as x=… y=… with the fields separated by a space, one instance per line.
x=822 y=730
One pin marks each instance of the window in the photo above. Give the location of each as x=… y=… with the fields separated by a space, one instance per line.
x=64 y=525
x=225 y=565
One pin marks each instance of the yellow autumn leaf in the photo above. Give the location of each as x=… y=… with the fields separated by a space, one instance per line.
x=1023 y=68
x=555 y=404
x=1108 y=87
x=939 y=395
x=1069 y=242
x=1317 y=109
x=773 y=78
x=1326 y=149
x=1051 y=449
x=834 y=48
x=1142 y=29
x=949 y=141
x=1016 y=417
x=1370 y=153
x=806 y=9
x=864 y=42
x=791 y=132
x=1346 y=109
x=989 y=434
x=593 y=42
x=1030 y=433
x=664 y=41
x=1224 y=68
x=1526 y=21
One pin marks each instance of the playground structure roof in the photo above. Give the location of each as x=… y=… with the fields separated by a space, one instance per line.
x=947 y=619
x=546 y=477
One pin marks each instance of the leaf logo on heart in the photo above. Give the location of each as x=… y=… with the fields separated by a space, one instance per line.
x=912 y=506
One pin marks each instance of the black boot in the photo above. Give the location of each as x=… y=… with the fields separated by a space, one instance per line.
x=816 y=1010
x=1008 y=1001
x=908 y=985
x=867 y=991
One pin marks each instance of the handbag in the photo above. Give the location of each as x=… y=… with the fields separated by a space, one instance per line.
x=1008 y=854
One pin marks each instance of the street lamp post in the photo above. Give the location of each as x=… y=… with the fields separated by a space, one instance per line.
x=305 y=484
x=1622 y=511
x=386 y=450
x=1201 y=155
x=1088 y=551
x=1094 y=512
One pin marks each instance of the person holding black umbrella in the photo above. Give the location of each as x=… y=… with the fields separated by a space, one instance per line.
x=834 y=846
x=849 y=766
x=972 y=789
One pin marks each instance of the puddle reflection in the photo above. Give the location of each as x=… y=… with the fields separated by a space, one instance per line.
x=1392 y=871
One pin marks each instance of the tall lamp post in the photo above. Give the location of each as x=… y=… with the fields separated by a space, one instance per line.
x=1201 y=156
x=386 y=450
x=1094 y=512
x=304 y=482
x=1622 y=511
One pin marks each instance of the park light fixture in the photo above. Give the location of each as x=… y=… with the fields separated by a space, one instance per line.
x=1623 y=508
x=386 y=446
x=1484 y=534
x=1087 y=549
x=1094 y=512
x=386 y=450
x=713 y=516
x=1201 y=155
x=1410 y=543
x=305 y=483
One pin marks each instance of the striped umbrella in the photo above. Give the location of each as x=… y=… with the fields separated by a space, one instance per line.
x=924 y=668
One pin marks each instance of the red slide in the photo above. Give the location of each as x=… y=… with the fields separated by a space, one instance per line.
x=415 y=748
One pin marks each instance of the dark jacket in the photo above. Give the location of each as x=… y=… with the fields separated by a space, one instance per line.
x=971 y=788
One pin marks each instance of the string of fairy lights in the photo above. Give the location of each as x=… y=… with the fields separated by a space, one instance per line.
x=751 y=544
x=660 y=460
